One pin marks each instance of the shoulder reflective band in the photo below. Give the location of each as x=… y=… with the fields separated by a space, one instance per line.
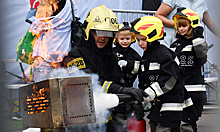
x=106 y=85
x=199 y=87
x=136 y=67
x=188 y=102
x=172 y=107
x=173 y=49
x=104 y=33
x=187 y=48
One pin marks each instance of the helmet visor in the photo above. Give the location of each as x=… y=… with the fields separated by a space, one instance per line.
x=104 y=33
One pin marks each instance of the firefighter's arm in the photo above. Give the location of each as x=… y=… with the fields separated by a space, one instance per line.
x=133 y=66
x=110 y=87
x=167 y=78
x=155 y=89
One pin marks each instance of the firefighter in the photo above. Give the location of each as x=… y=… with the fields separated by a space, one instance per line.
x=159 y=76
x=93 y=54
x=191 y=51
x=128 y=59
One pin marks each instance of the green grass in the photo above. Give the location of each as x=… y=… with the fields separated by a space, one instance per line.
x=11 y=125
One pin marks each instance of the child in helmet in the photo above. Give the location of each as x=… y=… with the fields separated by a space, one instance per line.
x=191 y=51
x=128 y=59
x=159 y=76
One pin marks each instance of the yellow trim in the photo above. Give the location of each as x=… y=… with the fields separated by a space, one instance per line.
x=104 y=87
x=110 y=118
x=78 y=62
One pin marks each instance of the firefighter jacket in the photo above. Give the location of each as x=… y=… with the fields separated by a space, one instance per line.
x=159 y=71
x=191 y=64
x=86 y=56
x=133 y=60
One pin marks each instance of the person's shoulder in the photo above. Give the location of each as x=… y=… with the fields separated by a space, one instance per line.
x=163 y=53
x=74 y=51
x=175 y=44
x=114 y=49
x=132 y=50
x=134 y=53
x=170 y=2
x=198 y=32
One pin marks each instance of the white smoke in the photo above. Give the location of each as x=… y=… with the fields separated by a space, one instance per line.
x=102 y=101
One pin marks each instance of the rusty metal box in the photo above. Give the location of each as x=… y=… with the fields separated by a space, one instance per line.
x=58 y=102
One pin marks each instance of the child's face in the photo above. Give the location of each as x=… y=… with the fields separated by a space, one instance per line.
x=142 y=41
x=124 y=40
x=183 y=28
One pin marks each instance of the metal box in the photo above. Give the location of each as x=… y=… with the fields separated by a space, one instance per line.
x=57 y=103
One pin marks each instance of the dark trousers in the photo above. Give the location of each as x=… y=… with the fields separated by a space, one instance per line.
x=115 y=126
x=165 y=126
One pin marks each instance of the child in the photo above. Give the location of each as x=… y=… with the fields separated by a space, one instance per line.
x=128 y=59
x=191 y=51
x=159 y=76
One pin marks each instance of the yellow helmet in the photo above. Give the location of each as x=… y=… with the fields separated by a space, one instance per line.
x=100 y=18
x=188 y=14
x=125 y=26
x=148 y=26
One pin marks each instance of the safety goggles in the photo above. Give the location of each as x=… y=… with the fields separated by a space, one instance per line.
x=103 y=33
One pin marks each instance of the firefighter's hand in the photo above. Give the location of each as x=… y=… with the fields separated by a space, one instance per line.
x=31 y=12
x=138 y=108
x=138 y=94
x=122 y=63
x=151 y=94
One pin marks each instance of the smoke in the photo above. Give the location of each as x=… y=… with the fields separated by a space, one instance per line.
x=102 y=101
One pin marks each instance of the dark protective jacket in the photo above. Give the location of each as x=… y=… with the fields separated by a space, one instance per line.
x=133 y=60
x=191 y=64
x=86 y=56
x=159 y=71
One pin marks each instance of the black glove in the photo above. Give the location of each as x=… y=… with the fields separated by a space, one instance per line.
x=137 y=107
x=138 y=94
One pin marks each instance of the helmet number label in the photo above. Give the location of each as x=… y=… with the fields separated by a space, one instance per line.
x=78 y=62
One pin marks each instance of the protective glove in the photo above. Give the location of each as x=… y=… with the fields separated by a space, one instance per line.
x=138 y=108
x=122 y=63
x=151 y=94
x=30 y=13
x=138 y=94
x=200 y=47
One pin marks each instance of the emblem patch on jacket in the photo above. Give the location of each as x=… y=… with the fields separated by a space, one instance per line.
x=154 y=66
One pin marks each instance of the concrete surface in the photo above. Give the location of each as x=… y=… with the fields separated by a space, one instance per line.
x=209 y=122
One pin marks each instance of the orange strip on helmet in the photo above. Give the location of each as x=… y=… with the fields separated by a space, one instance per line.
x=143 y=27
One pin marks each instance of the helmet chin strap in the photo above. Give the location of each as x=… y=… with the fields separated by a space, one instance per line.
x=149 y=44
